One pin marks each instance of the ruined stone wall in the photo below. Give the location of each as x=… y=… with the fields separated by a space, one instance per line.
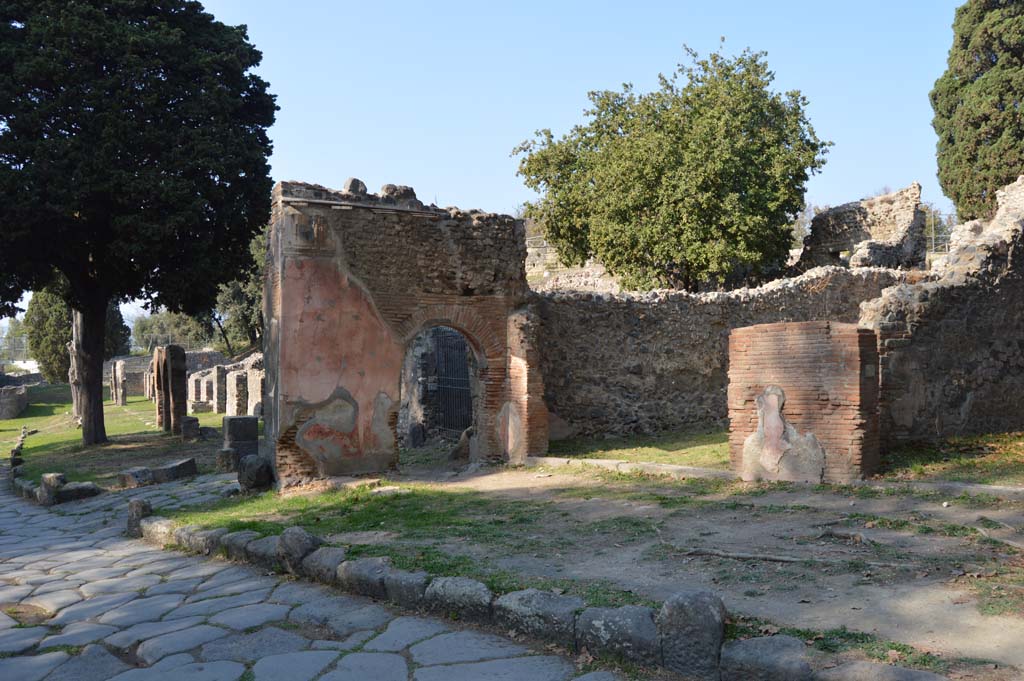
x=545 y=272
x=892 y=225
x=829 y=373
x=952 y=344
x=644 y=362
x=352 y=278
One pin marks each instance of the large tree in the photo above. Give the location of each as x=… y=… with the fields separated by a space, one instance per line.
x=48 y=327
x=979 y=106
x=133 y=160
x=682 y=186
x=167 y=328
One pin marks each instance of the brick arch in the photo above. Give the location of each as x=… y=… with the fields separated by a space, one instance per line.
x=489 y=347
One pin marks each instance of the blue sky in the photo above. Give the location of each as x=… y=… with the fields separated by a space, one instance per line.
x=435 y=95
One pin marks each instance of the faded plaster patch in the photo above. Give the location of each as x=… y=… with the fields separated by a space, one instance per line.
x=383 y=435
x=331 y=433
x=511 y=435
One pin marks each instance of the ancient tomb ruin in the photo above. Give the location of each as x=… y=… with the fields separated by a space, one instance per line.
x=803 y=401
x=352 y=279
x=168 y=382
x=232 y=389
x=883 y=231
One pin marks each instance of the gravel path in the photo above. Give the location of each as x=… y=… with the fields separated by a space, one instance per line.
x=97 y=606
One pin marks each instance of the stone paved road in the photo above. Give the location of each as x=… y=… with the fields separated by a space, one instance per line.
x=97 y=606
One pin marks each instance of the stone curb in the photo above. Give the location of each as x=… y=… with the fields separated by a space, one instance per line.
x=671 y=470
x=54 y=489
x=635 y=633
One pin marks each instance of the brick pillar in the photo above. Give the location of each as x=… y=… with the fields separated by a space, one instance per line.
x=237 y=393
x=176 y=368
x=829 y=372
x=161 y=389
x=220 y=389
x=526 y=389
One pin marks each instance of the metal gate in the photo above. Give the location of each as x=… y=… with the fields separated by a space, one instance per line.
x=454 y=395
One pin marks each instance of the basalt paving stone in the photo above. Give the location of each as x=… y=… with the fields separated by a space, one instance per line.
x=298 y=593
x=54 y=600
x=78 y=634
x=178 y=586
x=228 y=576
x=141 y=610
x=353 y=641
x=251 y=647
x=66 y=583
x=13 y=594
x=232 y=588
x=17 y=640
x=464 y=646
x=87 y=609
x=251 y=615
x=30 y=668
x=363 y=666
x=546 y=668
x=342 y=621
x=101 y=573
x=6 y=622
x=293 y=666
x=179 y=641
x=599 y=676
x=172 y=661
x=120 y=585
x=147 y=630
x=404 y=632
x=197 y=671
x=197 y=569
x=213 y=605
x=94 y=663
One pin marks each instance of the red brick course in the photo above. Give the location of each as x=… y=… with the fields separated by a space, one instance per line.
x=829 y=372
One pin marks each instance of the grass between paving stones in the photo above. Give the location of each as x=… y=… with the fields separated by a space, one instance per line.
x=57 y=447
x=704 y=448
x=994 y=459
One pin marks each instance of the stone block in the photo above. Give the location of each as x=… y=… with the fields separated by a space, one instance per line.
x=176 y=470
x=264 y=552
x=365 y=576
x=540 y=614
x=138 y=476
x=691 y=625
x=629 y=631
x=77 y=490
x=467 y=598
x=766 y=658
x=407 y=589
x=322 y=564
x=137 y=510
x=190 y=428
x=205 y=542
x=295 y=544
x=237 y=403
x=233 y=544
x=242 y=433
x=254 y=474
x=157 y=530
x=49 y=483
x=227 y=460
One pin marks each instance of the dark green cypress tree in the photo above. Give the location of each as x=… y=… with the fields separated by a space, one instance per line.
x=979 y=106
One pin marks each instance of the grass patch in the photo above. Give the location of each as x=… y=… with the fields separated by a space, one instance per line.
x=993 y=459
x=57 y=447
x=702 y=448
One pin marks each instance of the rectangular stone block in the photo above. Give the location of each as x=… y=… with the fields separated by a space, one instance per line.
x=241 y=433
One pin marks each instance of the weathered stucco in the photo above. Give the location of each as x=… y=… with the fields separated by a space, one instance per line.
x=352 y=278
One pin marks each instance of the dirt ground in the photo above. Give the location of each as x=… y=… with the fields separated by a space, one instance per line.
x=905 y=568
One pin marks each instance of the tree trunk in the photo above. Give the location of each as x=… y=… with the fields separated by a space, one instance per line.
x=88 y=336
x=227 y=343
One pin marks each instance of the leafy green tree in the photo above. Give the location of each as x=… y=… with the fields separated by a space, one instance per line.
x=48 y=323
x=118 y=336
x=979 y=106
x=167 y=328
x=681 y=186
x=48 y=327
x=239 y=313
x=133 y=160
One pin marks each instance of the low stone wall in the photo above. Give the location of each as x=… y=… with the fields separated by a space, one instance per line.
x=643 y=362
x=951 y=346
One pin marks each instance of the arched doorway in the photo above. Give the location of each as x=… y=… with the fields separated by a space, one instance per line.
x=440 y=393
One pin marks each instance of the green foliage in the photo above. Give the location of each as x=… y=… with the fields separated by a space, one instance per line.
x=694 y=182
x=48 y=322
x=979 y=116
x=240 y=302
x=118 y=336
x=164 y=328
x=48 y=326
